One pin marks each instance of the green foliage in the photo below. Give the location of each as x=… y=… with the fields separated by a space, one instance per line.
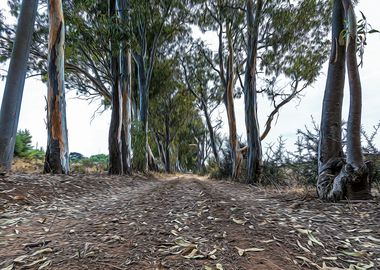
x=93 y=164
x=24 y=148
x=138 y=145
x=23 y=144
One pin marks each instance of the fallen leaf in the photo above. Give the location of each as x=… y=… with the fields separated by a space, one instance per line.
x=354 y=253
x=314 y=240
x=36 y=262
x=330 y=258
x=373 y=238
x=219 y=266
x=41 y=251
x=193 y=255
x=19 y=198
x=9 y=267
x=241 y=251
x=239 y=221
x=302 y=247
x=308 y=261
x=303 y=231
x=10 y=222
x=325 y=267
x=45 y=264
x=184 y=243
x=20 y=259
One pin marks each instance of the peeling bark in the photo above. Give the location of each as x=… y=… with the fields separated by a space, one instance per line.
x=14 y=86
x=57 y=152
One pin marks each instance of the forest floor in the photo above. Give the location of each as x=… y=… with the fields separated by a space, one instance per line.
x=178 y=222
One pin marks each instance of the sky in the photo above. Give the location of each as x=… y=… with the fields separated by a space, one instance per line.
x=90 y=136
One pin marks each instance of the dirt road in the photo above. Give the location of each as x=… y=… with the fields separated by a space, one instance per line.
x=178 y=222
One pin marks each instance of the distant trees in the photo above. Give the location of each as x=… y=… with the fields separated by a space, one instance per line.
x=339 y=177
x=14 y=87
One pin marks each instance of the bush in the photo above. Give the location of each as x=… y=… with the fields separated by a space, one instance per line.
x=23 y=143
x=95 y=163
x=75 y=157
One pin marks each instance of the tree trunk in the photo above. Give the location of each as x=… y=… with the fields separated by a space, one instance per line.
x=14 y=86
x=211 y=132
x=126 y=90
x=336 y=179
x=152 y=164
x=57 y=152
x=167 y=144
x=143 y=92
x=229 y=102
x=160 y=149
x=330 y=152
x=358 y=185
x=254 y=160
x=127 y=111
x=115 y=144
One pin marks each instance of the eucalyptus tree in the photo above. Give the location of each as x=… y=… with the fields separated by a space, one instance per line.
x=171 y=108
x=153 y=24
x=227 y=20
x=87 y=52
x=202 y=82
x=283 y=46
x=57 y=151
x=11 y=103
x=339 y=177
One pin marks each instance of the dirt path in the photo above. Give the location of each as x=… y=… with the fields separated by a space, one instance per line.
x=177 y=222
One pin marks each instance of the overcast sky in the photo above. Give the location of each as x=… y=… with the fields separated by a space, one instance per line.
x=91 y=137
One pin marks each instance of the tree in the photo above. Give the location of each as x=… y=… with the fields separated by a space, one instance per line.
x=57 y=152
x=11 y=104
x=226 y=18
x=171 y=108
x=202 y=82
x=114 y=138
x=339 y=178
x=126 y=90
x=290 y=51
x=250 y=93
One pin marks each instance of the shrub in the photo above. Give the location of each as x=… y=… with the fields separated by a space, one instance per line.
x=23 y=143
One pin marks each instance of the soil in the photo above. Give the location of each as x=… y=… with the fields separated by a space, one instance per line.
x=178 y=222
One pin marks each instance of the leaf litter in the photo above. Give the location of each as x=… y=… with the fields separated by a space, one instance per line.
x=181 y=222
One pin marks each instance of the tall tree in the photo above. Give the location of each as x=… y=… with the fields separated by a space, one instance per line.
x=250 y=93
x=114 y=138
x=57 y=151
x=14 y=87
x=153 y=24
x=126 y=89
x=203 y=83
x=226 y=19
x=339 y=178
